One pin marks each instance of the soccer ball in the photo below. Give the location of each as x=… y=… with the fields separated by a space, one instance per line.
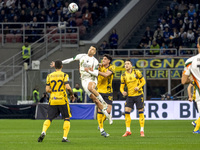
x=73 y=7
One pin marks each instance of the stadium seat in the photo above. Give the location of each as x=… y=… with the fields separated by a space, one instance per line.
x=9 y=38
x=74 y=37
x=51 y=29
x=67 y=36
x=0 y=38
x=82 y=2
x=82 y=30
x=18 y=38
x=78 y=14
x=56 y=37
x=79 y=21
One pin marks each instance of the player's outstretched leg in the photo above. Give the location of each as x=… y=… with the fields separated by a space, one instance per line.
x=128 y=124
x=46 y=125
x=196 y=129
x=141 y=121
x=66 y=127
x=103 y=133
x=41 y=137
x=100 y=106
x=194 y=123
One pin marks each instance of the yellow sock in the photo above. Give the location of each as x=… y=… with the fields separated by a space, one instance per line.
x=197 y=124
x=66 y=127
x=99 y=119
x=196 y=121
x=104 y=118
x=46 y=125
x=141 y=120
x=127 y=121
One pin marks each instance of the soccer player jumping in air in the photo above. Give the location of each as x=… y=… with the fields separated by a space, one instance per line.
x=89 y=72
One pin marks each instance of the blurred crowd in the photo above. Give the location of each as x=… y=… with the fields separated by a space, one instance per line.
x=33 y=12
x=177 y=27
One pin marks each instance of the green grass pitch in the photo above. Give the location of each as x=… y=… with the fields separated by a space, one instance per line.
x=159 y=135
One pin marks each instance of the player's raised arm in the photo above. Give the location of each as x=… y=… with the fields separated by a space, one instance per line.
x=69 y=60
x=107 y=73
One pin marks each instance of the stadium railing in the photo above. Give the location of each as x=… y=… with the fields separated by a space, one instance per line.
x=40 y=49
x=139 y=52
x=20 y=32
x=188 y=51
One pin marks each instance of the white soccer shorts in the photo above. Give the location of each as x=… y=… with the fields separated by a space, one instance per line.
x=85 y=83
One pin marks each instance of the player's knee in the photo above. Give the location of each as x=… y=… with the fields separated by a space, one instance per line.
x=140 y=110
x=90 y=88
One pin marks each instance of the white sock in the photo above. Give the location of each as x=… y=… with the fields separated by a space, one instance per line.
x=43 y=133
x=65 y=138
x=100 y=98
x=142 y=129
x=101 y=130
x=128 y=129
x=105 y=113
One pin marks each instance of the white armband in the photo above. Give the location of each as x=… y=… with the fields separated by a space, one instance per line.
x=94 y=73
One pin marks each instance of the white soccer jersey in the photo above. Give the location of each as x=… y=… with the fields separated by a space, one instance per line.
x=192 y=67
x=85 y=62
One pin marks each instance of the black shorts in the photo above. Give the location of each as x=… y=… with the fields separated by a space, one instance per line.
x=138 y=100
x=108 y=98
x=54 y=110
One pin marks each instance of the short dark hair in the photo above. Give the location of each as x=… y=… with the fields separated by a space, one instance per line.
x=108 y=57
x=58 y=64
x=129 y=61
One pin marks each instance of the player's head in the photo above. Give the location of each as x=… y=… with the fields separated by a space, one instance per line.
x=58 y=64
x=198 y=44
x=128 y=64
x=92 y=51
x=107 y=59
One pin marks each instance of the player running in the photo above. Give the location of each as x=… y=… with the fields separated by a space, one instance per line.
x=56 y=84
x=89 y=71
x=192 y=67
x=104 y=87
x=134 y=81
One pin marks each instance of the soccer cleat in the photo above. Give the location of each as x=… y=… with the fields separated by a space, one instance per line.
x=65 y=140
x=127 y=133
x=40 y=139
x=110 y=119
x=103 y=133
x=194 y=124
x=197 y=132
x=142 y=133
x=105 y=105
x=98 y=128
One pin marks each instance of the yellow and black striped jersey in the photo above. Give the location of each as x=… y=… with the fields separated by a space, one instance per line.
x=105 y=83
x=194 y=90
x=132 y=80
x=57 y=80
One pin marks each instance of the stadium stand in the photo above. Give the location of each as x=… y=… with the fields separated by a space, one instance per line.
x=36 y=13
x=175 y=27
